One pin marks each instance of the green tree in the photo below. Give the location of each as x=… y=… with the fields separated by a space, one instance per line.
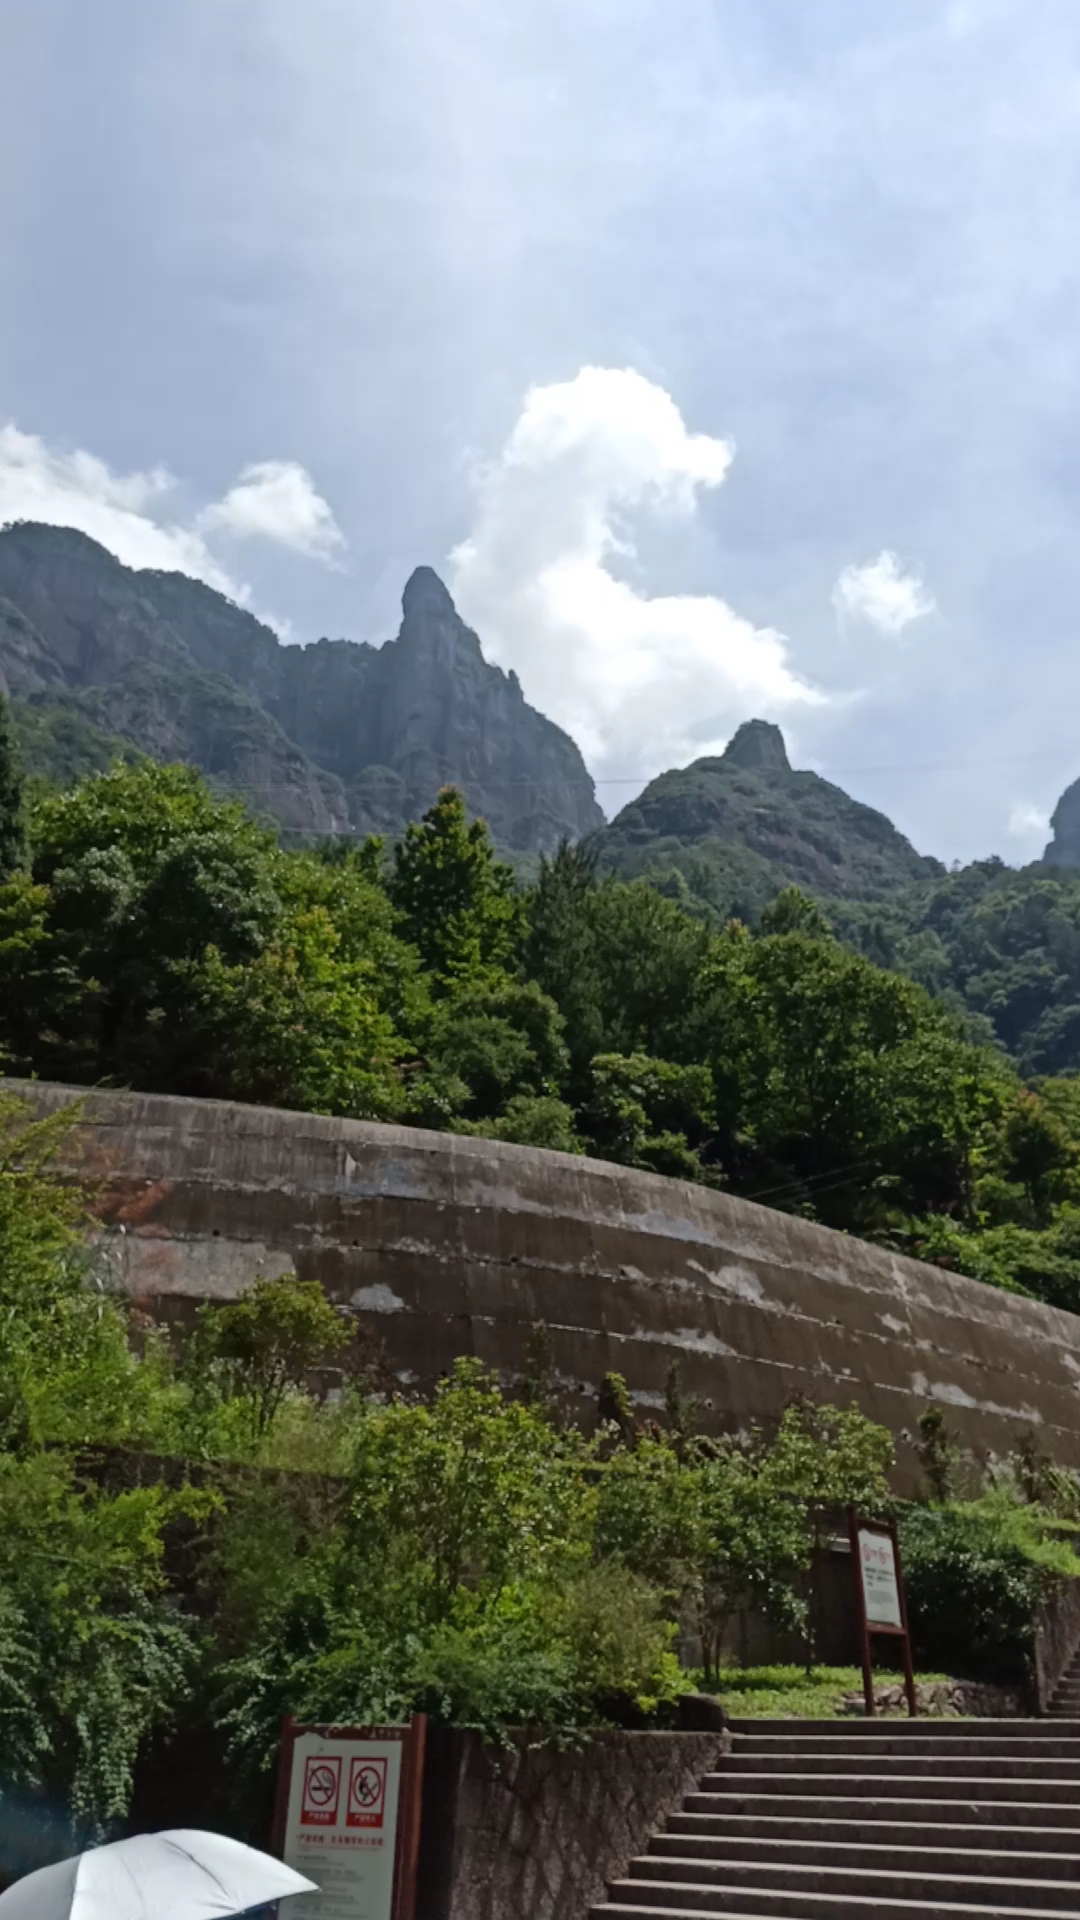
x=297 y=1026
x=651 y=1113
x=144 y=872
x=457 y=903
x=67 y=1375
x=265 y=1345
x=502 y=1039
x=12 y=846
x=624 y=966
x=841 y=1089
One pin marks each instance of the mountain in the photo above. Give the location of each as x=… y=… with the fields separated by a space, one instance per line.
x=724 y=834
x=1064 y=848
x=327 y=738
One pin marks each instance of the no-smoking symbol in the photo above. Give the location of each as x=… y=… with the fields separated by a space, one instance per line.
x=367 y=1790
x=322 y=1786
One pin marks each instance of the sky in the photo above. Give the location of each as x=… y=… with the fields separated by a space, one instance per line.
x=722 y=355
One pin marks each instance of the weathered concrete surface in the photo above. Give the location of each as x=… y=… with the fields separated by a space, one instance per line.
x=445 y=1245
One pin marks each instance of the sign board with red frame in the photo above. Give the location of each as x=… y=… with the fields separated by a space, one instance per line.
x=880 y=1606
x=348 y=1816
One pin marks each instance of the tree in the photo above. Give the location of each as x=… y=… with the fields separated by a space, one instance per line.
x=651 y=1113
x=144 y=872
x=503 y=1039
x=623 y=966
x=267 y=1343
x=457 y=903
x=793 y=911
x=297 y=1026
x=67 y=1375
x=841 y=1089
x=12 y=846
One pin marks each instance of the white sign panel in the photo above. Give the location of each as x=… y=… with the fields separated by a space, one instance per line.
x=341 y=1826
x=881 y=1590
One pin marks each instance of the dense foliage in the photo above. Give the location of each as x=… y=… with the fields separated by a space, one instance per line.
x=152 y=934
x=468 y=1555
x=999 y=945
x=356 y=1557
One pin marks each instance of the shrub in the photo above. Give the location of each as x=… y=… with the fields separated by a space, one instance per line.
x=975 y=1574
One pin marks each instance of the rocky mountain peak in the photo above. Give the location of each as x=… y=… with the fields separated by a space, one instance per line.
x=758 y=745
x=328 y=737
x=425 y=597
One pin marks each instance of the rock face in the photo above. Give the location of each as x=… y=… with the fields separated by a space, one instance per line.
x=1064 y=848
x=327 y=738
x=727 y=833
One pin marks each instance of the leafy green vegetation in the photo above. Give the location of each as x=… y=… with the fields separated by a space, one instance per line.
x=191 y=1536
x=723 y=836
x=155 y=935
x=780 y=1693
x=1000 y=946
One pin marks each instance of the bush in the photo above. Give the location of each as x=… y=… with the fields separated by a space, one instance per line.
x=975 y=1575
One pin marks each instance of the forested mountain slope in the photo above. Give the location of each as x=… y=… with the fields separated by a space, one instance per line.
x=725 y=834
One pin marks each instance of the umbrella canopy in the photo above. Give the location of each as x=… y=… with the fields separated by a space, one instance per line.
x=154 y=1876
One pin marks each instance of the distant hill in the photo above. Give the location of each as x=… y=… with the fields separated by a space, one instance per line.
x=332 y=737
x=725 y=834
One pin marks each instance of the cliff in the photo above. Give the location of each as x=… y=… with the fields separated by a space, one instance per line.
x=326 y=738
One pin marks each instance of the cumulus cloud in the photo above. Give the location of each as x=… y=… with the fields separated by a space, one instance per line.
x=882 y=594
x=1028 y=822
x=128 y=512
x=121 y=510
x=641 y=680
x=277 y=500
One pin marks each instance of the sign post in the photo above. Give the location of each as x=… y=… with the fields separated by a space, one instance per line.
x=880 y=1606
x=348 y=1816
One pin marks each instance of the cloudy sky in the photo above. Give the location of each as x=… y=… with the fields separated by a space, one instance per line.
x=723 y=355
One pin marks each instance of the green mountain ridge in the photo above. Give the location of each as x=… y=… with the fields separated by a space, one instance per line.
x=726 y=834
x=341 y=737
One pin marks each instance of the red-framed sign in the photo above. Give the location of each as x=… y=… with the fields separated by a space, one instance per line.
x=880 y=1606
x=347 y=1815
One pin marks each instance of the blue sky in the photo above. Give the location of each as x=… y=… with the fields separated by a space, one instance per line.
x=723 y=357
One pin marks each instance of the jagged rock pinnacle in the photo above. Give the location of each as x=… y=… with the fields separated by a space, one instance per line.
x=425 y=594
x=758 y=744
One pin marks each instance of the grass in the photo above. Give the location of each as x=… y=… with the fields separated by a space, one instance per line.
x=773 y=1693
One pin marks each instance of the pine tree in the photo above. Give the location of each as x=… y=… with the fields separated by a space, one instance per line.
x=11 y=834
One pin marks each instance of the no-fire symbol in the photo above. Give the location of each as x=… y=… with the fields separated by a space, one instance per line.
x=322 y=1790
x=367 y=1790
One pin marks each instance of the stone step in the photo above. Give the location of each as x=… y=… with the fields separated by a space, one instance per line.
x=898 y=1800
x=900 y=1726
x=638 y=1900
x=891 y=1757
x=896 y=1881
x=996 y=1746
x=973 y=1827
x=1034 y=1789
x=985 y=1858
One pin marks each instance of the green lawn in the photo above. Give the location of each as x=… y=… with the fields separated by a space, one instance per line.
x=767 y=1693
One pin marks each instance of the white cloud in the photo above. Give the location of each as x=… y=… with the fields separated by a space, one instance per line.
x=642 y=681
x=882 y=594
x=273 y=500
x=277 y=500
x=1028 y=822
x=118 y=509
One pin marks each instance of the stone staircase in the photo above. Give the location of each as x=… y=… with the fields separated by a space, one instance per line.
x=871 y=1820
x=1065 y=1703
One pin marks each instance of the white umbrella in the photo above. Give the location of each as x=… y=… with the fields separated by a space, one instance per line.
x=154 y=1876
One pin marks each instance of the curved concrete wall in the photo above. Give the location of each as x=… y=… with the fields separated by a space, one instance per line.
x=445 y=1245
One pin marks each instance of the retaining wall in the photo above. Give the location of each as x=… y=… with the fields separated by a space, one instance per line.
x=444 y=1245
